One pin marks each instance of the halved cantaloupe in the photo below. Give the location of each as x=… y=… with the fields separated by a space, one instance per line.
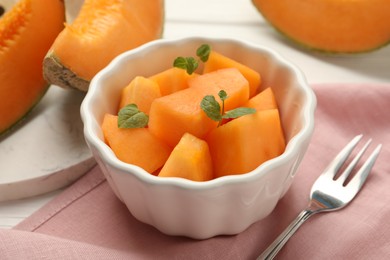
x=102 y=30
x=135 y=145
x=173 y=115
x=242 y=144
x=190 y=159
x=26 y=33
x=331 y=25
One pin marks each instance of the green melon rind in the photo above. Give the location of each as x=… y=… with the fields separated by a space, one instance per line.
x=318 y=49
x=57 y=74
x=327 y=51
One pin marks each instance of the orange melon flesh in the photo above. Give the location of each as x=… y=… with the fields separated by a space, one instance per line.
x=242 y=144
x=142 y=92
x=102 y=30
x=229 y=79
x=26 y=34
x=135 y=146
x=190 y=159
x=264 y=100
x=218 y=61
x=331 y=25
x=172 y=80
x=173 y=115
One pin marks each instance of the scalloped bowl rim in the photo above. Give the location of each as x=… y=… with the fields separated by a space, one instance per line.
x=292 y=147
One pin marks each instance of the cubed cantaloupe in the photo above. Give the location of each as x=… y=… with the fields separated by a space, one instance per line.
x=190 y=159
x=230 y=79
x=242 y=144
x=135 y=145
x=263 y=100
x=218 y=61
x=173 y=115
x=172 y=80
x=140 y=91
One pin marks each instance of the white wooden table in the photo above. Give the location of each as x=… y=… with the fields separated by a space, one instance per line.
x=240 y=19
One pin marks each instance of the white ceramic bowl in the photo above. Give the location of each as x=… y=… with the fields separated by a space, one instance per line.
x=226 y=205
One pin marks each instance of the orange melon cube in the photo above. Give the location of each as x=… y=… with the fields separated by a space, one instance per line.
x=135 y=146
x=172 y=80
x=218 y=61
x=230 y=79
x=141 y=91
x=190 y=159
x=242 y=144
x=264 y=100
x=173 y=115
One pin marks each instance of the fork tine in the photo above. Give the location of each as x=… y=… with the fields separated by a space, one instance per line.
x=353 y=163
x=358 y=180
x=341 y=157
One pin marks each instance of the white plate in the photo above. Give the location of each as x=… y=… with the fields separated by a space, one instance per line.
x=47 y=151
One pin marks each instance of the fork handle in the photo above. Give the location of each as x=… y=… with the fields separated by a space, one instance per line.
x=273 y=249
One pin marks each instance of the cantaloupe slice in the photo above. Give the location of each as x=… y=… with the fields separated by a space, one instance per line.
x=142 y=92
x=242 y=144
x=329 y=25
x=190 y=159
x=135 y=146
x=173 y=115
x=26 y=34
x=172 y=80
x=102 y=30
x=218 y=61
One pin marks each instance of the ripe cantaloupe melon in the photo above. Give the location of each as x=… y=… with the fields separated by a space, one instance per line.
x=140 y=91
x=102 y=30
x=190 y=159
x=242 y=144
x=172 y=80
x=331 y=25
x=173 y=115
x=135 y=145
x=26 y=33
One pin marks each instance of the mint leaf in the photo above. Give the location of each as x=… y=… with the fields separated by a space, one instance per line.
x=203 y=52
x=190 y=64
x=131 y=117
x=211 y=107
x=237 y=112
x=187 y=63
x=222 y=95
x=213 y=110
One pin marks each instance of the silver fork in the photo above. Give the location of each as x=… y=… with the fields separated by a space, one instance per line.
x=329 y=192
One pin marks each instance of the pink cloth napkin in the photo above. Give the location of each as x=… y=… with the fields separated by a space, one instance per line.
x=87 y=221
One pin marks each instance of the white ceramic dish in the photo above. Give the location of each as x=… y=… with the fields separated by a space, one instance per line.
x=226 y=205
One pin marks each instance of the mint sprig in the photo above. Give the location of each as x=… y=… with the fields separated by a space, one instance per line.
x=187 y=63
x=190 y=64
x=203 y=52
x=214 y=111
x=131 y=117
